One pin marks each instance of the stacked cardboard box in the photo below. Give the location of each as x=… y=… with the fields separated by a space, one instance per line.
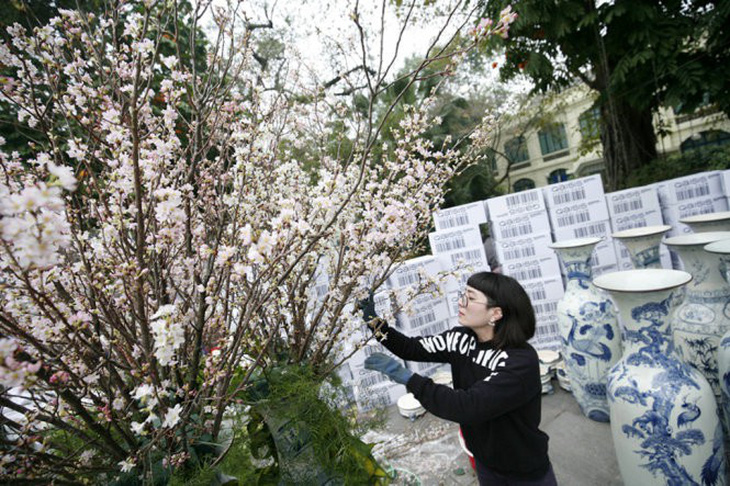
x=545 y=295
x=521 y=230
x=578 y=209
x=688 y=196
x=635 y=208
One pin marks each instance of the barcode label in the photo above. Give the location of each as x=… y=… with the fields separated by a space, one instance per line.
x=537 y=294
x=407 y=278
x=450 y=245
x=545 y=307
x=527 y=273
x=454 y=221
x=469 y=256
x=518 y=230
x=577 y=194
x=422 y=319
x=373 y=380
x=574 y=218
x=590 y=230
x=625 y=253
x=518 y=253
x=693 y=192
x=626 y=206
x=433 y=329
x=548 y=329
x=522 y=198
x=633 y=223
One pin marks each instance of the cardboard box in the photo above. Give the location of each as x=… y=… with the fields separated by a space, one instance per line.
x=604 y=254
x=548 y=289
x=547 y=333
x=452 y=301
x=424 y=310
x=726 y=182
x=520 y=226
x=472 y=214
x=431 y=329
x=537 y=268
x=604 y=269
x=689 y=188
x=532 y=246
x=545 y=308
x=672 y=214
x=455 y=240
x=409 y=272
x=377 y=397
x=632 y=201
x=472 y=259
x=502 y=207
x=578 y=214
x=637 y=219
x=575 y=191
x=586 y=230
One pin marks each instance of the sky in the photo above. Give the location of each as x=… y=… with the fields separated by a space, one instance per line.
x=324 y=40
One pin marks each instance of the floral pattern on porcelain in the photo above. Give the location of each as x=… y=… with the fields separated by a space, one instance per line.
x=589 y=333
x=664 y=425
x=703 y=317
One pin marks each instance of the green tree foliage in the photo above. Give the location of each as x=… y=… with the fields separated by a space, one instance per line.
x=636 y=54
x=681 y=164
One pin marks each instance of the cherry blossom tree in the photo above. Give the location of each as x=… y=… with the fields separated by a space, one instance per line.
x=162 y=242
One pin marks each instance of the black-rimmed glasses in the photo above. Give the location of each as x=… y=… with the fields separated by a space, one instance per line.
x=464 y=299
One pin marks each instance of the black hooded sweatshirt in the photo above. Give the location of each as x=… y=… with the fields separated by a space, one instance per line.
x=495 y=399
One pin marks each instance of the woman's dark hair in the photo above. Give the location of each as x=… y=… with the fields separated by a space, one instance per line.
x=517 y=324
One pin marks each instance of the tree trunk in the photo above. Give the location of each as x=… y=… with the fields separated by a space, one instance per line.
x=628 y=139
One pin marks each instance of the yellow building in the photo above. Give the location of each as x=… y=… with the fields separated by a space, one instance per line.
x=546 y=143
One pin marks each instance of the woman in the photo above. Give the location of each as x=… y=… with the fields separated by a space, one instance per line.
x=496 y=374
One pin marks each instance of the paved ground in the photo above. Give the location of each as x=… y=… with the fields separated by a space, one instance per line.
x=427 y=452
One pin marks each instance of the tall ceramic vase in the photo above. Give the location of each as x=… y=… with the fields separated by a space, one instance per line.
x=704 y=223
x=664 y=418
x=588 y=329
x=643 y=244
x=700 y=321
x=721 y=251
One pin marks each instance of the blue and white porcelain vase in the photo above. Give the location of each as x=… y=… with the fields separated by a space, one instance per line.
x=643 y=244
x=700 y=321
x=664 y=418
x=589 y=331
x=721 y=250
x=704 y=223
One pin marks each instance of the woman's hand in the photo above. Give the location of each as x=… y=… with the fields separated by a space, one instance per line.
x=388 y=366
